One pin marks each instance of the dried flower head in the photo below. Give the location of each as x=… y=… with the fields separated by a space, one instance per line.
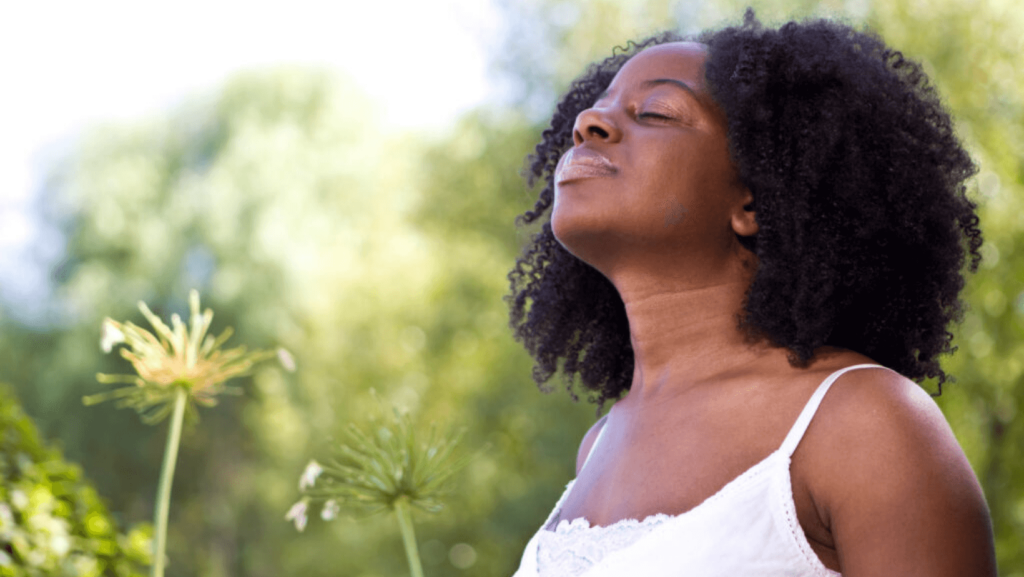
x=177 y=356
x=388 y=466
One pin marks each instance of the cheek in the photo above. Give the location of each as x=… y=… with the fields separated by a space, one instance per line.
x=675 y=215
x=702 y=178
x=674 y=188
x=694 y=199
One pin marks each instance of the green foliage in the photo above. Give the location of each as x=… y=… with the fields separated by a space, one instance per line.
x=52 y=522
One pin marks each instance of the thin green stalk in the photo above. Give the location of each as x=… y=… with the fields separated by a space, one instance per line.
x=412 y=553
x=163 y=492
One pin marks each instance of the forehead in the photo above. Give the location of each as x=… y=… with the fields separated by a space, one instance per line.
x=676 y=60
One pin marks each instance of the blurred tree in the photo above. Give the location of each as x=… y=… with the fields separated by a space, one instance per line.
x=378 y=260
x=969 y=50
x=282 y=202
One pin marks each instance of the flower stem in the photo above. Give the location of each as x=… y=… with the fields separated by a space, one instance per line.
x=163 y=493
x=412 y=553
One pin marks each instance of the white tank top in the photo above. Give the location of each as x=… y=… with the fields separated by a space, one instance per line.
x=748 y=528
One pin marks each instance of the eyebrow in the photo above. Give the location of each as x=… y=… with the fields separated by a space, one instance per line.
x=660 y=82
x=671 y=81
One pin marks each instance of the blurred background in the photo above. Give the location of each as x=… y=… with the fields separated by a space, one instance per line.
x=342 y=181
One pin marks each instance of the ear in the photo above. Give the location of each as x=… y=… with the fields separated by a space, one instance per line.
x=744 y=219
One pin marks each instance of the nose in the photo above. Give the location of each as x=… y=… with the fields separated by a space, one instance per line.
x=593 y=123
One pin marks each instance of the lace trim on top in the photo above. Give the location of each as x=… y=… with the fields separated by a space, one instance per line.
x=575 y=546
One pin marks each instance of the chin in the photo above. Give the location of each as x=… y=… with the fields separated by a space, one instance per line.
x=571 y=230
x=586 y=240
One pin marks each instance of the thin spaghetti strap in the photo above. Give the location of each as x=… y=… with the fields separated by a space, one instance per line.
x=596 y=441
x=804 y=420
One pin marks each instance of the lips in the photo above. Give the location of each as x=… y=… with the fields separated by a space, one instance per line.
x=579 y=163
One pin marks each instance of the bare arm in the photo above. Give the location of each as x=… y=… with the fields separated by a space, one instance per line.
x=892 y=484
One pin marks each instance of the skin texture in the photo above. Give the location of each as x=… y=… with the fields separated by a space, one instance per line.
x=880 y=484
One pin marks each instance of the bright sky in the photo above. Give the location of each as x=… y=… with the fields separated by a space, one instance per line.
x=66 y=64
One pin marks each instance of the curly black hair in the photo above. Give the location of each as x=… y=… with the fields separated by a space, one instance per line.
x=858 y=182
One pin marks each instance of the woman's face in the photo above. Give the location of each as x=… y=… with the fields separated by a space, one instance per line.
x=650 y=173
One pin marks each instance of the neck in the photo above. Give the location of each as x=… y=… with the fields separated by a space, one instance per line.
x=683 y=336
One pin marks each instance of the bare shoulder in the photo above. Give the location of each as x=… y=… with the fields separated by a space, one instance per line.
x=891 y=483
x=588 y=442
x=889 y=410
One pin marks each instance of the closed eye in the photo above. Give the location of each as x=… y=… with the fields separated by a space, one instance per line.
x=653 y=115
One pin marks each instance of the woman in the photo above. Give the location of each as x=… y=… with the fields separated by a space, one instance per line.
x=738 y=226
